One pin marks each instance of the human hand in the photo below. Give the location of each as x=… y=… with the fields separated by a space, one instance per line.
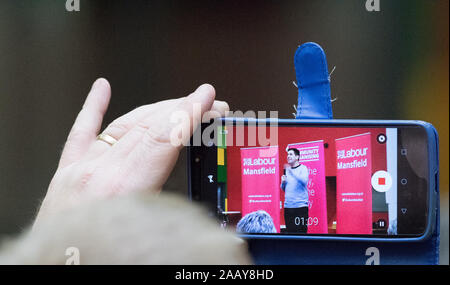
x=140 y=160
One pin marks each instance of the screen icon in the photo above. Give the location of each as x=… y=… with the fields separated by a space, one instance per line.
x=381 y=181
x=381 y=138
x=381 y=224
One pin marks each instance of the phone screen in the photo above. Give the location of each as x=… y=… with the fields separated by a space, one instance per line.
x=315 y=180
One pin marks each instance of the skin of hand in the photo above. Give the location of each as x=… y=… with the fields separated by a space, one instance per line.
x=140 y=160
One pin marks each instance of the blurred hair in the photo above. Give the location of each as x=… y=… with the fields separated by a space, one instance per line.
x=256 y=222
x=132 y=229
x=296 y=151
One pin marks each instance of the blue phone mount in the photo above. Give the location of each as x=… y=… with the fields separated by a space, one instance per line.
x=314 y=102
x=313 y=82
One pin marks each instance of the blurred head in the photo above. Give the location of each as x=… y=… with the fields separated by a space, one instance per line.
x=132 y=229
x=256 y=222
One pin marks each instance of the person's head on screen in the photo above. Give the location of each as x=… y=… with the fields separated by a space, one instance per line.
x=256 y=222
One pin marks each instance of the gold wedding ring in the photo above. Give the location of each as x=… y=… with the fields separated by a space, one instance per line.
x=107 y=139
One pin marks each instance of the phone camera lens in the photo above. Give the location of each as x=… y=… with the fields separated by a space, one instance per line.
x=404 y=181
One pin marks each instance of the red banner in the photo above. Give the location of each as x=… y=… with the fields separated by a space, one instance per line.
x=312 y=156
x=353 y=185
x=261 y=182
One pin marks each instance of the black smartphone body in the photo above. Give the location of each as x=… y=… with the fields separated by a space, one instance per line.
x=317 y=178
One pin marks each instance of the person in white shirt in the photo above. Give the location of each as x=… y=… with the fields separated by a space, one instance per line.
x=294 y=184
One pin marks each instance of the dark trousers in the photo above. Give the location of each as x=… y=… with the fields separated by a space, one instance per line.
x=296 y=220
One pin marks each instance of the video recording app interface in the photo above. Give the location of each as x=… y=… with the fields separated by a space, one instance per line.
x=308 y=180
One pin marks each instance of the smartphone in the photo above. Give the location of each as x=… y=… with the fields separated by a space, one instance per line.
x=317 y=178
